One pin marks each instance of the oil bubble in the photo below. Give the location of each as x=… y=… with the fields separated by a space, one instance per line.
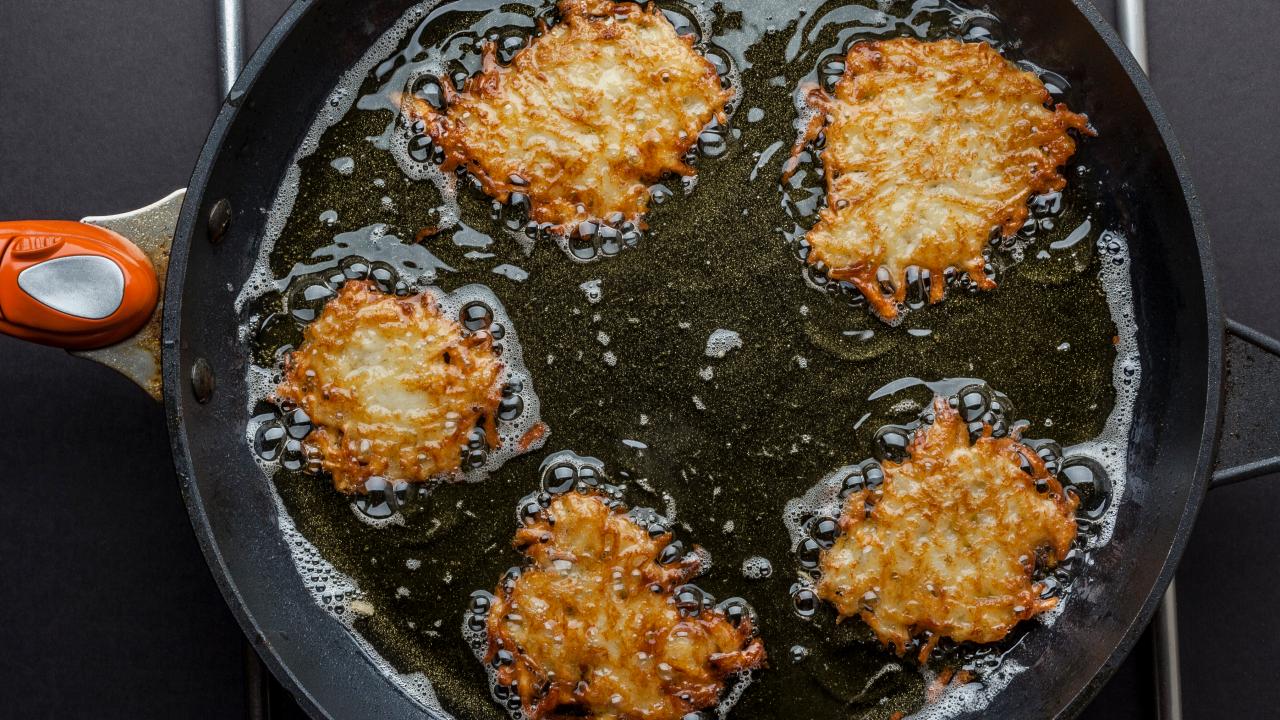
x=609 y=240
x=853 y=481
x=873 y=474
x=581 y=244
x=355 y=268
x=292 y=457
x=671 y=553
x=1088 y=480
x=307 y=299
x=690 y=600
x=891 y=442
x=376 y=503
x=824 y=530
x=420 y=148
x=269 y=440
x=683 y=24
x=1050 y=454
x=974 y=402
x=804 y=601
x=756 y=568
x=712 y=144
x=475 y=316
x=508 y=48
x=509 y=408
x=809 y=554
x=428 y=89
x=736 y=610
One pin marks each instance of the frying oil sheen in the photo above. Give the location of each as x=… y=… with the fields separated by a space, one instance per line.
x=699 y=360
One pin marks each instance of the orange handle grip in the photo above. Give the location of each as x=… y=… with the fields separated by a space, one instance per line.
x=73 y=285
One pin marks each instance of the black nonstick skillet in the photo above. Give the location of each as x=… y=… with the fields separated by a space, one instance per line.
x=1201 y=373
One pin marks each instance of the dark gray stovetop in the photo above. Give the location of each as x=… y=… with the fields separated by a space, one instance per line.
x=109 y=610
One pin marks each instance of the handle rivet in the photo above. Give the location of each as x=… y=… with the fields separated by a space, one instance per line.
x=219 y=220
x=202 y=381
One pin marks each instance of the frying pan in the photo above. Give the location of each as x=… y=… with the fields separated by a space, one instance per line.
x=1202 y=374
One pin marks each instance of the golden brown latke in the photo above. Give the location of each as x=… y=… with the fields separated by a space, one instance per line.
x=950 y=541
x=930 y=147
x=594 y=627
x=583 y=119
x=392 y=387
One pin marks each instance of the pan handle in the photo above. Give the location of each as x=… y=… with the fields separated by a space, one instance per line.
x=73 y=285
x=92 y=287
x=1249 y=429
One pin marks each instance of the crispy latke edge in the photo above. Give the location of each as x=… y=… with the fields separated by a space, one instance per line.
x=344 y=470
x=865 y=501
x=542 y=705
x=864 y=276
x=487 y=82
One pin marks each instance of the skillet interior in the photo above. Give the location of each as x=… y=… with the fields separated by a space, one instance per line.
x=225 y=491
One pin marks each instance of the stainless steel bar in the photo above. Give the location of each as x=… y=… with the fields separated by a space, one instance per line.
x=230 y=43
x=1131 y=21
x=1168 y=673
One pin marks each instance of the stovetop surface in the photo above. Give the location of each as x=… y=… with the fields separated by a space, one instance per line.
x=109 y=610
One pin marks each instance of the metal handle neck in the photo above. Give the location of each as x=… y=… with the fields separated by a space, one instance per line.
x=230 y=43
x=1131 y=21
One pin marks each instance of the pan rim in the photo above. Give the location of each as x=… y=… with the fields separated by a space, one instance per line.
x=174 y=377
x=1215 y=344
